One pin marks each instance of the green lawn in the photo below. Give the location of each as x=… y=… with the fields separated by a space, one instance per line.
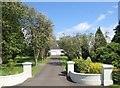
x=18 y=68
x=115 y=86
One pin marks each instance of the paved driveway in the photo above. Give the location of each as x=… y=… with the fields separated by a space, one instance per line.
x=51 y=74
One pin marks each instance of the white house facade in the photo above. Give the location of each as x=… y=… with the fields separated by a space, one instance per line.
x=56 y=51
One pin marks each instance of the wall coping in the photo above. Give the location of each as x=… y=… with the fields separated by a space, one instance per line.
x=107 y=66
x=85 y=74
x=27 y=63
x=70 y=62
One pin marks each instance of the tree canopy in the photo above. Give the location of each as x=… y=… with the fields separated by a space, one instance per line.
x=116 y=37
x=76 y=46
x=108 y=54
x=23 y=27
x=99 y=39
x=12 y=34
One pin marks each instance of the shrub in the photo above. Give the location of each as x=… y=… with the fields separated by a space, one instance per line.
x=77 y=65
x=9 y=67
x=88 y=59
x=95 y=68
x=87 y=66
x=110 y=54
x=116 y=76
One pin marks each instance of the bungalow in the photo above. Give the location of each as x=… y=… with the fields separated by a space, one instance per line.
x=55 y=51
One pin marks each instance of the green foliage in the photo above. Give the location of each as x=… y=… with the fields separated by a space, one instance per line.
x=10 y=66
x=95 y=68
x=10 y=69
x=110 y=54
x=12 y=35
x=88 y=59
x=64 y=60
x=80 y=66
x=77 y=45
x=99 y=39
x=116 y=37
x=116 y=76
x=85 y=46
x=87 y=66
x=24 y=31
x=39 y=33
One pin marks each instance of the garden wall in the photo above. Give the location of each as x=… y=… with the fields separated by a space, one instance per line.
x=91 y=79
x=12 y=80
x=86 y=79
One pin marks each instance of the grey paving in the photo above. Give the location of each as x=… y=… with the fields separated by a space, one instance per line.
x=51 y=74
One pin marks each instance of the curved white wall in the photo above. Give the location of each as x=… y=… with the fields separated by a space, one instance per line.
x=91 y=79
x=12 y=80
x=86 y=79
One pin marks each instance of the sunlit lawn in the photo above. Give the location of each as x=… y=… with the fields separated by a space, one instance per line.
x=18 y=68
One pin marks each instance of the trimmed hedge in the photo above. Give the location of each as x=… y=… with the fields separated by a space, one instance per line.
x=116 y=76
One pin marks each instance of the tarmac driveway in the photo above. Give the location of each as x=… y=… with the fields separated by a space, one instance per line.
x=51 y=74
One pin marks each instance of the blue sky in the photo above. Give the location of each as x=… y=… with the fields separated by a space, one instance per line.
x=83 y=17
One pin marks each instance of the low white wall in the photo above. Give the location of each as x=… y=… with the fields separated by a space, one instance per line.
x=86 y=79
x=91 y=79
x=12 y=80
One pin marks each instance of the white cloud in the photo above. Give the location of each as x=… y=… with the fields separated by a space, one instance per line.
x=109 y=31
x=110 y=12
x=82 y=26
x=115 y=6
x=101 y=17
x=61 y=33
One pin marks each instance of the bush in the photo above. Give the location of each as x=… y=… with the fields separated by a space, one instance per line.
x=110 y=54
x=87 y=66
x=116 y=76
x=9 y=67
x=95 y=68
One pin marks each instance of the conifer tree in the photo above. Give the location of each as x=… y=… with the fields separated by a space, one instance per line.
x=116 y=37
x=99 y=39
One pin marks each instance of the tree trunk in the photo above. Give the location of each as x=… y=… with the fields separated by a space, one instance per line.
x=43 y=53
x=36 y=62
x=36 y=54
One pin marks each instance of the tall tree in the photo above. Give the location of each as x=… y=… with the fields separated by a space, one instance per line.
x=85 y=46
x=116 y=37
x=99 y=39
x=39 y=30
x=12 y=35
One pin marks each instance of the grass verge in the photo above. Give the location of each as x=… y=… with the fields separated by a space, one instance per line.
x=35 y=69
x=115 y=86
x=64 y=60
